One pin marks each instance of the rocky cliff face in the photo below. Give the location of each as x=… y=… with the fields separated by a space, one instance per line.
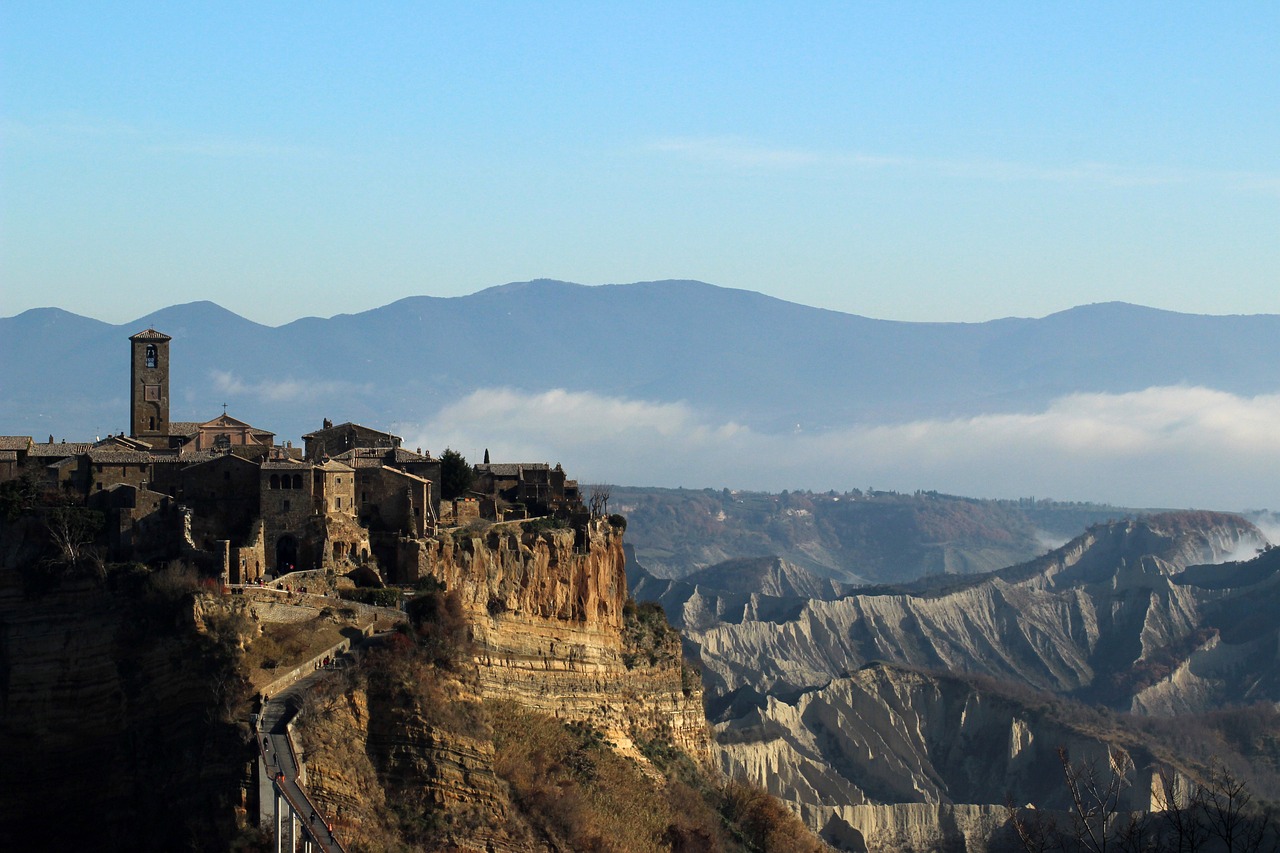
x=899 y=754
x=547 y=611
x=550 y=631
x=114 y=715
x=1097 y=605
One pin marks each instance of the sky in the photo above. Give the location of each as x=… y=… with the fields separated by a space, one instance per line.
x=913 y=161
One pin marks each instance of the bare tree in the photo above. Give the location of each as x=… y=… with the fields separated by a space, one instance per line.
x=599 y=501
x=1232 y=815
x=72 y=529
x=1181 y=805
x=1037 y=832
x=1095 y=799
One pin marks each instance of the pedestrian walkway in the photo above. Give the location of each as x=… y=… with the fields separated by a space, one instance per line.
x=294 y=812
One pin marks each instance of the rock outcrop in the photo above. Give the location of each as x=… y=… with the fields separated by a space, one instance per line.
x=116 y=709
x=546 y=611
x=1134 y=615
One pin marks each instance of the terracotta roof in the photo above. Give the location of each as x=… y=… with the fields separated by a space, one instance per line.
x=334 y=465
x=60 y=449
x=368 y=457
x=511 y=469
x=150 y=335
x=15 y=442
x=8 y=456
x=285 y=465
x=124 y=456
x=184 y=427
x=396 y=472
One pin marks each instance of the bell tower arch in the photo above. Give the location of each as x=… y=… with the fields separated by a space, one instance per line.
x=149 y=385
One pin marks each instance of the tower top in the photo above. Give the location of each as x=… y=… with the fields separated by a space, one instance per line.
x=150 y=335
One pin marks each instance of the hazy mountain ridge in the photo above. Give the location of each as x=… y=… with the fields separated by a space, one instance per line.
x=743 y=356
x=857 y=536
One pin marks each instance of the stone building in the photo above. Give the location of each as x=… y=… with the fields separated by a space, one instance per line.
x=223 y=494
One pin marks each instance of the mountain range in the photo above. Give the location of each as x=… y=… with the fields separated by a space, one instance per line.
x=741 y=356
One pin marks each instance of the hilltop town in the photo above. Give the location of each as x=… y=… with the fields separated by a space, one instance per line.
x=193 y=590
x=225 y=496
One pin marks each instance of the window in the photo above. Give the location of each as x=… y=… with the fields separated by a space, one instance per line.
x=286 y=506
x=151 y=355
x=338 y=503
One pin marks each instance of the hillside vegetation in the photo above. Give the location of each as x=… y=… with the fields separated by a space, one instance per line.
x=859 y=536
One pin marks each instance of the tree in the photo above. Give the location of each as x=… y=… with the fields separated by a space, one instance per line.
x=72 y=529
x=456 y=476
x=599 y=501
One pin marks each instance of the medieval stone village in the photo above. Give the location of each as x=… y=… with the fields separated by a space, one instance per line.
x=225 y=496
x=267 y=542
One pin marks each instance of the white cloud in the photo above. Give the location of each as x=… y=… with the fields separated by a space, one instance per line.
x=284 y=389
x=1171 y=446
x=736 y=153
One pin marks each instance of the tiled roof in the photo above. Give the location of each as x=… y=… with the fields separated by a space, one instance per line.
x=285 y=465
x=15 y=442
x=150 y=335
x=511 y=469
x=396 y=472
x=183 y=427
x=369 y=457
x=60 y=449
x=125 y=456
x=8 y=456
x=334 y=465
x=346 y=427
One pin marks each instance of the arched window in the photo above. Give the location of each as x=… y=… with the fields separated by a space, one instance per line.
x=151 y=355
x=297 y=481
x=275 y=481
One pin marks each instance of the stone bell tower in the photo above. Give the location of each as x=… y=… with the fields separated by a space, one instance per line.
x=149 y=385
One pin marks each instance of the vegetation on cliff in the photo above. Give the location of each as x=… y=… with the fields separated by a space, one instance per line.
x=409 y=756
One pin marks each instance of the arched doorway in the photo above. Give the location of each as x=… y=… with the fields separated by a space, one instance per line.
x=286 y=554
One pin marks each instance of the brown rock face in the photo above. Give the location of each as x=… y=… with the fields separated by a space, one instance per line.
x=114 y=709
x=546 y=610
x=551 y=631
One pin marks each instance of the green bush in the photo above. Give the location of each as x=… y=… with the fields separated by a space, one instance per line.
x=379 y=597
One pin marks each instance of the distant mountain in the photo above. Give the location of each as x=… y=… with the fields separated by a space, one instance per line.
x=855 y=536
x=742 y=356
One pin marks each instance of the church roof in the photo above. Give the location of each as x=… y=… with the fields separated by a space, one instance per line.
x=150 y=335
x=15 y=442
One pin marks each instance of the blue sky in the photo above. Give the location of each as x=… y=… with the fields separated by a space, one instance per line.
x=910 y=161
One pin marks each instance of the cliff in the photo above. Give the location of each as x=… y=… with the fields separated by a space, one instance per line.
x=417 y=745
x=118 y=702
x=546 y=609
x=863 y=712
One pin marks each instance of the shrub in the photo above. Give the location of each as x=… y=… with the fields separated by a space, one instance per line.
x=379 y=597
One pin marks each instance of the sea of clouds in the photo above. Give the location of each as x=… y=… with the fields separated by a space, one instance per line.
x=1162 y=447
